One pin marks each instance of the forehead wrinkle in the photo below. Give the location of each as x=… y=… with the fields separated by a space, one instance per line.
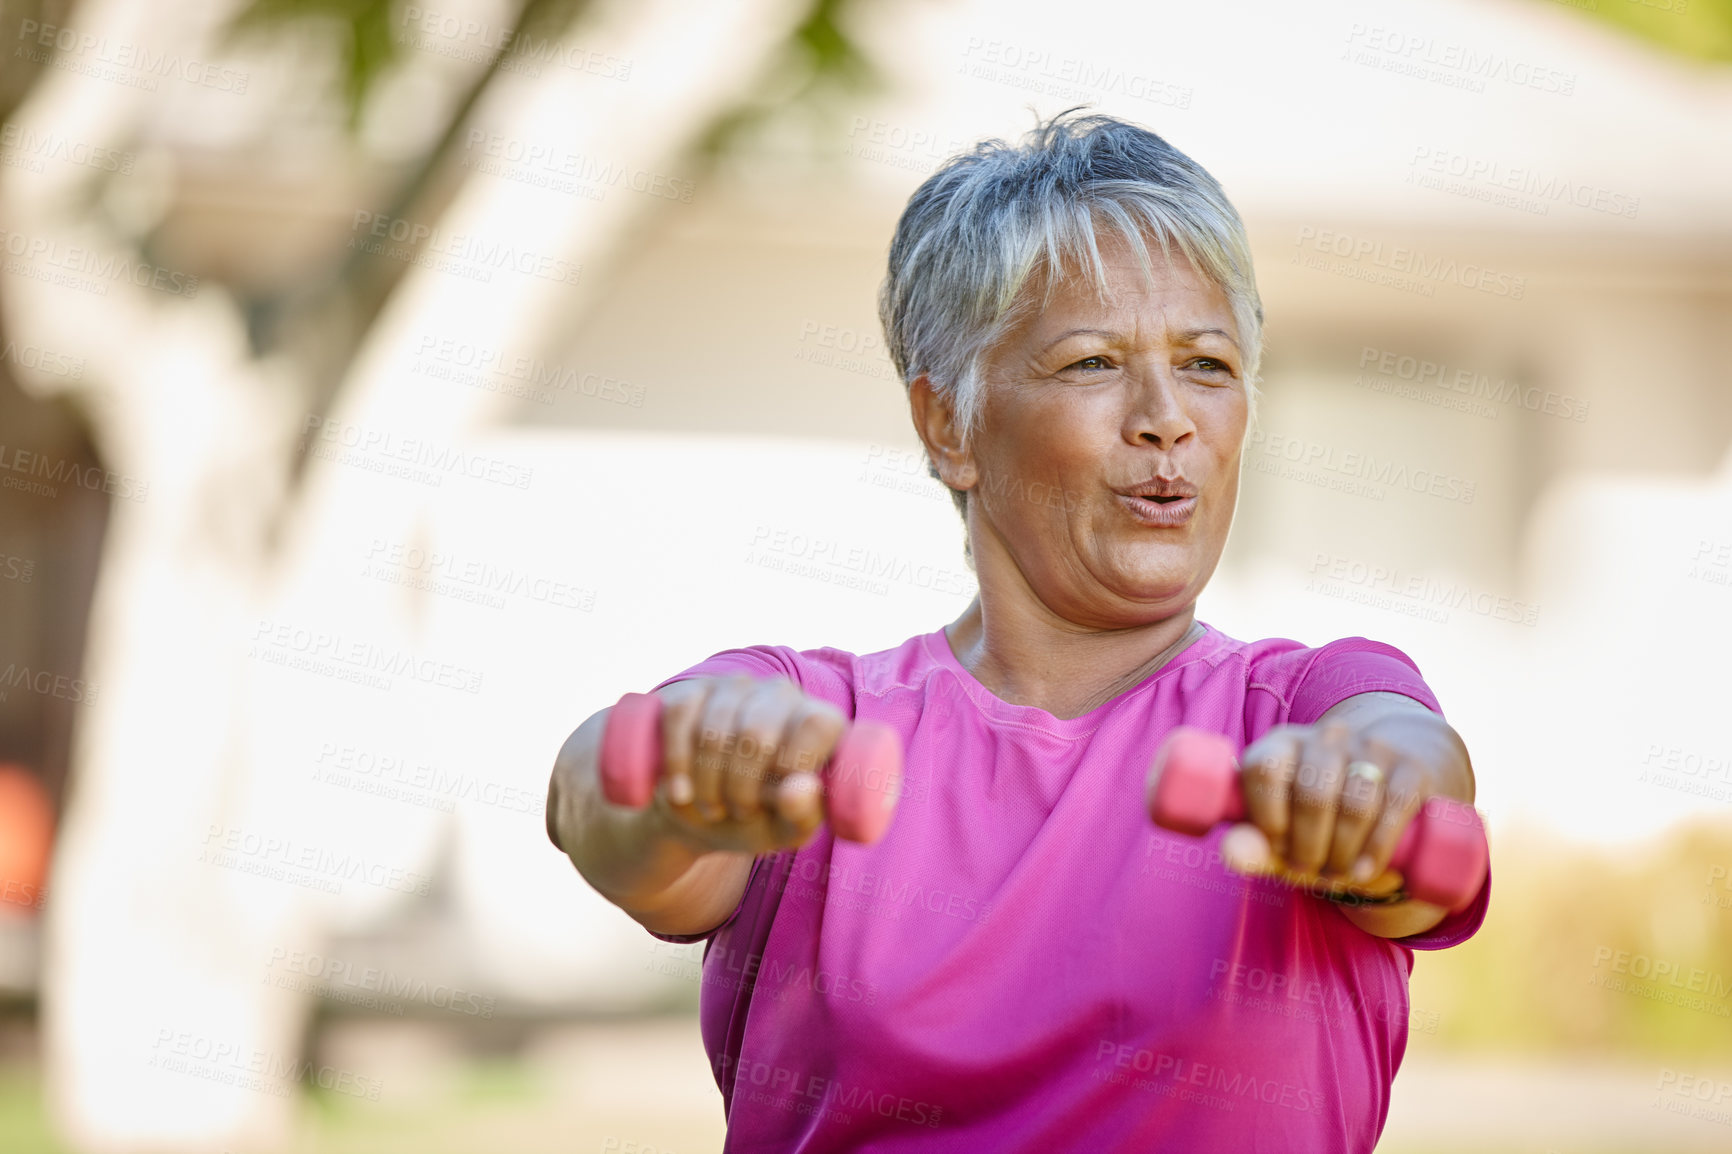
x=1192 y=336
x=1150 y=321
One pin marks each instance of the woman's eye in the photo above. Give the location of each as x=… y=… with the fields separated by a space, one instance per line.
x=1093 y=363
x=1211 y=365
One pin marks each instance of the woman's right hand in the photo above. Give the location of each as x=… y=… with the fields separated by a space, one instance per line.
x=740 y=762
x=739 y=777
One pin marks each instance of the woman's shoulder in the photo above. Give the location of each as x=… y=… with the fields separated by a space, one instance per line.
x=829 y=672
x=1308 y=679
x=1280 y=653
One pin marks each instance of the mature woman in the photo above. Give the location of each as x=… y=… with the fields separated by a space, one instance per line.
x=1024 y=962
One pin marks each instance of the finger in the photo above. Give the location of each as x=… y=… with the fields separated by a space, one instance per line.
x=797 y=808
x=1403 y=795
x=1316 y=786
x=1245 y=850
x=808 y=741
x=682 y=703
x=715 y=744
x=759 y=728
x=1266 y=773
x=1359 y=804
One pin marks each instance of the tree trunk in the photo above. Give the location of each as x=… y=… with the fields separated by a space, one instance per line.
x=197 y=853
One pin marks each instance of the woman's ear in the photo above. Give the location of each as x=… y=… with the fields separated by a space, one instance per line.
x=935 y=422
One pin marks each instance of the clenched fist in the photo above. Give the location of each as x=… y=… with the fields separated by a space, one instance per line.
x=740 y=761
x=1327 y=803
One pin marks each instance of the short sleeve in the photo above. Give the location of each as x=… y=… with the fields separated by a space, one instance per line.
x=1457 y=927
x=754 y=661
x=1306 y=683
x=824 y=673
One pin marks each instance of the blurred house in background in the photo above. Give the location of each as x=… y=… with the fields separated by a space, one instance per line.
x=599 y=404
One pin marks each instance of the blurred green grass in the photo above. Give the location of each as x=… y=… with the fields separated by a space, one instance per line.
x=500 y=1106
x=491 y=1105
x=1522 y=984
x=23 y=1121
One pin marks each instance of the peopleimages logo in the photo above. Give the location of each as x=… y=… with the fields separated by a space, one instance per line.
x=1399 y=266
x=476 y=257
x=1522 y=186
x=1680 y=981
x=839 y=562
x=734 y=969
x=38 y=146
x=1425 y=57
x=479 y=366
x=538 y=163
x=250 y=1068
x=1347 y=573
x=315 y=867
x=918 y=150
x=469 y=578
x=806 y=1093
x=41 y=474
x=460 y=30
x=1068 y=77
x=365 y=662
x=46 y=683
x=85 y=269
x=135 y=65
x=402 y=778
x=348 y=443
x=42 y=360
x=1694 y=1096
x=1357 y=470
x=1118 y=1063
x=1471 y=384
x=371 y=987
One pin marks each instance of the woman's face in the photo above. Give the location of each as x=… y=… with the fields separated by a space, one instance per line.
x=1106 y=463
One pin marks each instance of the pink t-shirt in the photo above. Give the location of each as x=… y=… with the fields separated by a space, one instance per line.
x=1026 y=963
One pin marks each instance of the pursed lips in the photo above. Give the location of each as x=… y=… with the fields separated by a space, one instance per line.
x=1160 y=502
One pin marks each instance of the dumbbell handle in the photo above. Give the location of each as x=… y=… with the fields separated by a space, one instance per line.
x=1194 y=785
x=861 y=779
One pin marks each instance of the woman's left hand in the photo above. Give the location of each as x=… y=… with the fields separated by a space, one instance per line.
x=1327 y=803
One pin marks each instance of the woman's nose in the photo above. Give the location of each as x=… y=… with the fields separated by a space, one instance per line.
x=1156 y=414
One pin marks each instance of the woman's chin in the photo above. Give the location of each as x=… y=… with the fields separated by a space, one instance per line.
x=1153 y=596
x=1169 y=575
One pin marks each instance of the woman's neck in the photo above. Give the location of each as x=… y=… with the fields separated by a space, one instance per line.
x=1030 y=656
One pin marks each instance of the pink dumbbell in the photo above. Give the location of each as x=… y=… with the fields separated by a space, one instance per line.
x=1194 y=784
x=861 y=780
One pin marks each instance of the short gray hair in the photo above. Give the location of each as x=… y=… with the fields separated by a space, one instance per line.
x=991 y=218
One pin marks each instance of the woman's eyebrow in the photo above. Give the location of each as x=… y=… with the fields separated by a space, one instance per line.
x=1189 y=336
x=1065 y=336
x=1184 y=337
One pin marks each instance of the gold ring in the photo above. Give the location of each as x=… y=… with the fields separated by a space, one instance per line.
x=1370 y=771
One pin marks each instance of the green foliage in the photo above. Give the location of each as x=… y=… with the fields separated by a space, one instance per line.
x=1567 y=958
x=819 y=63
x=358 y=30
x=1695 y=29
x=822 y=36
